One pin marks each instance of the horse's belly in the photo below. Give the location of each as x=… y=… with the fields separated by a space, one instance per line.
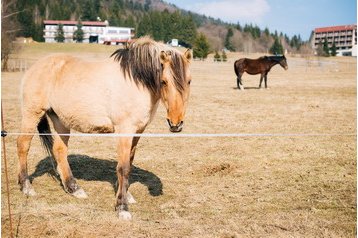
x=84 y=119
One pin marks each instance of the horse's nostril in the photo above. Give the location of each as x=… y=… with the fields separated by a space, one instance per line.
x=180 y=124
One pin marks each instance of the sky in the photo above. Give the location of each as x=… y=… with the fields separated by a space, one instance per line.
x=291 y=17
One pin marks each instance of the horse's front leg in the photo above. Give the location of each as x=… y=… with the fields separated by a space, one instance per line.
x=262 y=77
x=123 y=171
x=266 y=80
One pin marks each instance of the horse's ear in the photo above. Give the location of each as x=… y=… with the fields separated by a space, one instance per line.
x=164 y=57
x=188 y=54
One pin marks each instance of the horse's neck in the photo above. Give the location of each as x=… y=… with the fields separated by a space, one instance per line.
x=272 y=62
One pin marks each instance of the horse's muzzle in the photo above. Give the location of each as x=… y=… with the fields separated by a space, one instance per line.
x=286 y=67
x=175 y=128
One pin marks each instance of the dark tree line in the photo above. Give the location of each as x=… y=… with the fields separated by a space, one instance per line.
x=161 y=25
x=165 y=26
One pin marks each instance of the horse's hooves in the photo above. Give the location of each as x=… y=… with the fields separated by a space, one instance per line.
x=130 y=198
x=29 y=192
x=80 y=193
x=125 y=215
x=27 y=189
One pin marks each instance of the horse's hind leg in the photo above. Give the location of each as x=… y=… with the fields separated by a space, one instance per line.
x=29 y=123
x=60 y=150
x=239 y=81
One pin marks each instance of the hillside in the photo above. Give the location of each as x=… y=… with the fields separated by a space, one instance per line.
x=157 y=18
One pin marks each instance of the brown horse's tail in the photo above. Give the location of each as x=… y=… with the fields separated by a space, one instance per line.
x=45 y=134
x=236 y=68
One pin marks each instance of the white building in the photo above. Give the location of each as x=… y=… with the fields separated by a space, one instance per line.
x=94 y=32
x=344 y=37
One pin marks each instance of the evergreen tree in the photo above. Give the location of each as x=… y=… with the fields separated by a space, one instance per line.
x=334 y=49
x=88 y=11
x=217 y=56
x=78 y=34
x=188 y=30
x=325 y=47
x=201 y=47
x=129 y=22
x=60 y=35
x=228 y=45
x=277 y=47
x=157 y=29
x=238 y=26
x=147 y=5
x=267 y=31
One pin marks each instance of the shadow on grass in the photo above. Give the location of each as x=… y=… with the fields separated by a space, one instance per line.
x=92 y=169
x=248 y=88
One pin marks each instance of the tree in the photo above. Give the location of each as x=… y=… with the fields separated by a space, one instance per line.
x=60 y=35
x=144 y=28
x=217 y=56
x=238 y=26
x=147 y=5
x=325 y=47
x=277 y=47
x=334 y=49
x=228 y=44
x=8 y=30
x=201 y=47
x=78 y=34
x=319 y=49
x=188 y=30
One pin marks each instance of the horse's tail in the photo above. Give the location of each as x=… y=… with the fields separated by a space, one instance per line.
x=45 y=134
x=236 y=66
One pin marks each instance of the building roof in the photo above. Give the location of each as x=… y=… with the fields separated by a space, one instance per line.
x=335 y=28
x=84 y=23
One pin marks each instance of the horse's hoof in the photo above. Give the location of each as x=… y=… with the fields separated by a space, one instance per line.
x=80 y=193
x=27 y=189
x=125 y=215
x=29 y=192
x=130 y=198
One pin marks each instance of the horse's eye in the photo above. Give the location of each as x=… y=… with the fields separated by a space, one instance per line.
x=189 y=82
x=163 y=83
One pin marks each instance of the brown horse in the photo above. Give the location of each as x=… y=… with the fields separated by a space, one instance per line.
x=118 y=95
x=261 y=66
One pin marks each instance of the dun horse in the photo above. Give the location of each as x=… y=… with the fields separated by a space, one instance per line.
x=261 y=66
x=118 y=95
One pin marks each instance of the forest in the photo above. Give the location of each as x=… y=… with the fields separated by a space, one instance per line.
x=156 y=18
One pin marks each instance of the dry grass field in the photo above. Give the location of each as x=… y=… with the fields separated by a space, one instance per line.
x=272 y=186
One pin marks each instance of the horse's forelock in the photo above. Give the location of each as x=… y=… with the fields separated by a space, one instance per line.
x=178 y=67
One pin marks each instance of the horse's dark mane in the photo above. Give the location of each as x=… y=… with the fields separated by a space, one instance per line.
x=141 y=61
x=276 y=58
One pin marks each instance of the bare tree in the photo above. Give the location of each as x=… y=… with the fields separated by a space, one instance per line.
x=8 y=30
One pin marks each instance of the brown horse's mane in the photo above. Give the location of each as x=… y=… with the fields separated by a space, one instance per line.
x=141 y=61
x=275 y=58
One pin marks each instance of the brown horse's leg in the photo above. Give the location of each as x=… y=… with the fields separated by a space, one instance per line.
x=261 y=78
x=28 y=125
x=265 y=80
x=123 y=170
x=60 y=150
x=239 y=80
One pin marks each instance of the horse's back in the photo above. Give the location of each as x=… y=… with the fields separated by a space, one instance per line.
x=84 y=94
